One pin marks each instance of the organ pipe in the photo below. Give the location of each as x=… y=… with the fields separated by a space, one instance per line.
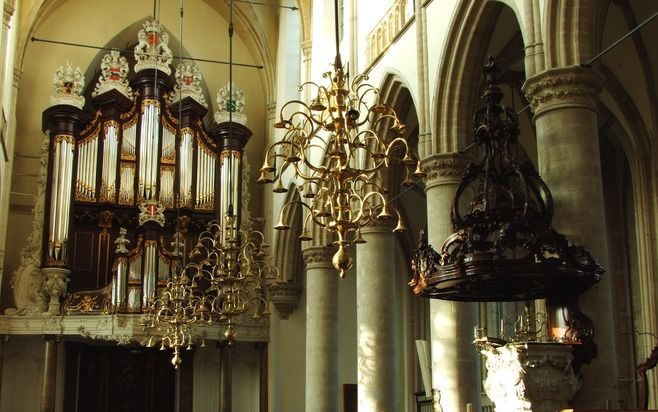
x=109 y=166
x=60 y=198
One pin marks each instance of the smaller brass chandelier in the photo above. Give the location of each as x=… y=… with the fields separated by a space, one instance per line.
x=233 y=270
x=224 y=279
x=339 y=145
x=170 y=317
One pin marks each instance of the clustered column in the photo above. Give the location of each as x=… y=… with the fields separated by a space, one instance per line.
x=564 y=103
x=378 y=340
x=455 y=362
x=321 y=331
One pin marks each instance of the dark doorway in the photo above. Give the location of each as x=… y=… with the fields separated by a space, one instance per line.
x=118 y=379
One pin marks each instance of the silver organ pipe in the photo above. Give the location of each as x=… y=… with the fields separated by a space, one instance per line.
x=205 y=177
x=60 y=199
x=168 y=154
x=122 y=274
x=126 y=192
x=185 y=167
x=129 y=140
x=150 y=275
x=150 y=139
x=167 y=186
x=109 y=166
x=229 y=187
x=86 y=172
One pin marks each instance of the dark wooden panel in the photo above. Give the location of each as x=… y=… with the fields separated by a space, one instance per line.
x=116 y=379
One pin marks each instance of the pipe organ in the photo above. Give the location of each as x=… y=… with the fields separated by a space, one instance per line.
x=131 y=176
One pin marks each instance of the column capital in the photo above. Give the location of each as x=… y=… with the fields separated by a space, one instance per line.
x=563 y=87
x=379 y=226
x=317 y=256
x=444 y=168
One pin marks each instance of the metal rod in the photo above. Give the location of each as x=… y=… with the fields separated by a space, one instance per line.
x=336 y=26
x=88 y=46
x=622 y=38
x=293 y=8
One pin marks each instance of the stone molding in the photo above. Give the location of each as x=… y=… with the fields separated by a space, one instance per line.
x=285 y=297
x=306 y=47
x=317 y=255
x=18 y=75
x=122 y=328
x=8 y=12
x=564 y=87
x=444 y=168
x=270 y=109
x=530 y=377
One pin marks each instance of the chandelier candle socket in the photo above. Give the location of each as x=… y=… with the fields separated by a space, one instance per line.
x=339 y=145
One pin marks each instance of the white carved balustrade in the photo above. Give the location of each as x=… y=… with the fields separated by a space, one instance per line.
x=530 y=376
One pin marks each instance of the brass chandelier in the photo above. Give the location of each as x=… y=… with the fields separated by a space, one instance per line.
x=338 y=146
x=229 y=266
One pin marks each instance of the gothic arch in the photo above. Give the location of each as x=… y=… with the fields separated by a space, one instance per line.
x=570 y=31
x=457 y=84
x=247 y=25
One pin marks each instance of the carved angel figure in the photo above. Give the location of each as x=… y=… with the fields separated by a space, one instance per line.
x=152 y=50
x=114 y=74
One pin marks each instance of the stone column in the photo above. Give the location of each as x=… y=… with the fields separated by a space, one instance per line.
x=455 y=362
x=378 y=341
x=49 y=383
x=564 y=103
x=321 y=331
x=263 y=389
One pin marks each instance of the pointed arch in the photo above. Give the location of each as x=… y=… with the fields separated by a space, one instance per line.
x=458 y=76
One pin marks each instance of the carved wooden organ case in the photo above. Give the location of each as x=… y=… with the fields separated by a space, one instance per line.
x=132 y=175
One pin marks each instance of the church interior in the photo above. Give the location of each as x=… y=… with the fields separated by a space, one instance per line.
x=328 y=206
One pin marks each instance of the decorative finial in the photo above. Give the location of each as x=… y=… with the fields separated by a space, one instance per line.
x=68 y=83
x=152 y=51
x=188 y=83
x=114 y=75
x=226 y=104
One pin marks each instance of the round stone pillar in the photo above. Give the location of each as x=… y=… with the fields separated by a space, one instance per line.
x=564 y=103
x=378 y=333
x=455 y=362
x=321 y=331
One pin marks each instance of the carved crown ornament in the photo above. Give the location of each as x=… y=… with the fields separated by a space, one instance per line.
x=114 y=75
x=230 y=102
x=188 y=83
x=152 y=50
x=69 y=84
